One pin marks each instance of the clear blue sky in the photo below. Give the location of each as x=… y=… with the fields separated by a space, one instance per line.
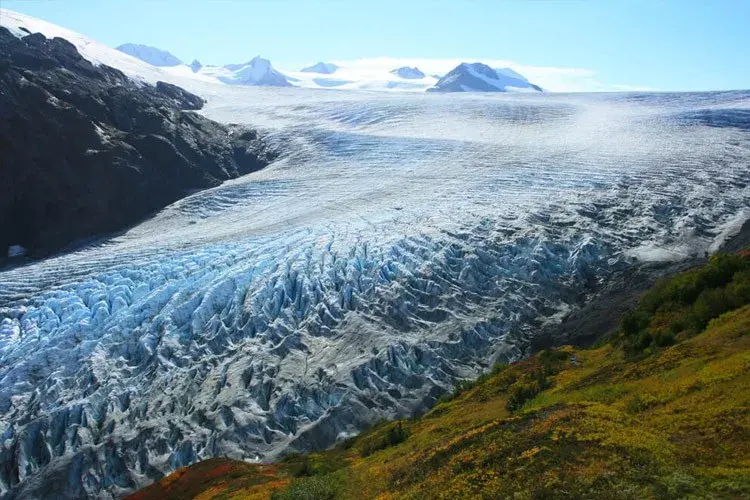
x=667 y=45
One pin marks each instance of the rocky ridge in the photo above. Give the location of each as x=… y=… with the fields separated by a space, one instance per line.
x=88 y=151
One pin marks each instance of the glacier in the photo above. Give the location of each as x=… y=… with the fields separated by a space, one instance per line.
x=403 y=242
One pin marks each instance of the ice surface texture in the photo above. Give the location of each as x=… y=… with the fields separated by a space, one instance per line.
x=404 y=243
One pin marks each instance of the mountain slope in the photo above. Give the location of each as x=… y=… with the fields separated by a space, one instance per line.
x=151 y=55
x=88 y=151
x=511 y=73
x=478 y=77
x=628 y=419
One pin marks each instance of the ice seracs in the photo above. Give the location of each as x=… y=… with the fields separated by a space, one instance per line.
x=321 y=67
x=478 y=77
x=408 y=73
x=151 y=55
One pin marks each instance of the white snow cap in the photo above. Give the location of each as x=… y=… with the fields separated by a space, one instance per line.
x=478 y=77
x=258 y=71
x=321 y=67
x=151 y=55
x=408 y=73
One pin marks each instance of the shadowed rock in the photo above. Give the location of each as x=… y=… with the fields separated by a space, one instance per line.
x=84 y=150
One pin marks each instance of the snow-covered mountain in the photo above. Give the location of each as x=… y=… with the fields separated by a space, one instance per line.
x=356 y=76
x=96 y=52
x=257 y=72
x=510 y=73
x=408 y=73
x=151 y=55
x=478 y=77
x=321 y=67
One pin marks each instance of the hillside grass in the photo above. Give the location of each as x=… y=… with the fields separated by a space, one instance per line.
x=662 y=410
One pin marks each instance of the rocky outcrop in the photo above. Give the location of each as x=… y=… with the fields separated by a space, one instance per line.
x=85 y=150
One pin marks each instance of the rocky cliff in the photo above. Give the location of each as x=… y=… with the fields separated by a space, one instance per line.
x=85 y=150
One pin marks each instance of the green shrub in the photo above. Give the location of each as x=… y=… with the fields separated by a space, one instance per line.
x=325 y=487
x=552 y=360
x=664 y=339
x=635 y=321
x=394 y=434
x=689 y=301
x=521 y=393
x=304 y=468
x=637 y=404
x=685 y=288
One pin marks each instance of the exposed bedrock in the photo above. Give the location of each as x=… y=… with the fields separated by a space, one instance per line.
x=84 y=150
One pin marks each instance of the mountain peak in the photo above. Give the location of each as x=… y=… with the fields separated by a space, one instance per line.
x=321 y=67
x=408 y=73
x=478 y=77
x=151 y=55
x=258 y=72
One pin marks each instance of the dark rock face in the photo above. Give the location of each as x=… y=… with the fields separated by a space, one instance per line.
x=84 y=150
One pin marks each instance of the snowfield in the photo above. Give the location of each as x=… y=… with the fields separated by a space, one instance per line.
x=402 y=242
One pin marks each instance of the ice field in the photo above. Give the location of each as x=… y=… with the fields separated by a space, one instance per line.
x=401 y=242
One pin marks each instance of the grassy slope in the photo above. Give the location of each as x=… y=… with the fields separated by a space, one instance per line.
x=662 y=410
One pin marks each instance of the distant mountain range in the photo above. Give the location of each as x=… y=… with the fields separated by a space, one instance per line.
x=466 y=77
